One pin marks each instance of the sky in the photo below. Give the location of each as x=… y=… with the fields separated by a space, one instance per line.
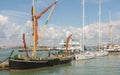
x=15 y=19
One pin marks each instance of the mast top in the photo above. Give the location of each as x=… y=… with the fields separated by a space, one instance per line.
x=110 y=16
x=32 y=2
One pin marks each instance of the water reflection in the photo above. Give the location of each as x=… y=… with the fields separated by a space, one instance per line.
x=108 y=65
x=56 y=70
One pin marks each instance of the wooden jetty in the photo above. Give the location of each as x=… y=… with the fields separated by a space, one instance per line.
x=4 y=66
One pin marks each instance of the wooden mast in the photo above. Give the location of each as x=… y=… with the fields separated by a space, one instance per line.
x=34 y=30
x=35 y=24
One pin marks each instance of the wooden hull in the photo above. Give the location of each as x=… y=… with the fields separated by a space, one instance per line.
x=113 y=51
x=22 y=65
x=16 y=64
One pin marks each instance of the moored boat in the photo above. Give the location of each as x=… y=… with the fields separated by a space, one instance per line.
x=101 y=53
x=19 y=62
x=84 y=54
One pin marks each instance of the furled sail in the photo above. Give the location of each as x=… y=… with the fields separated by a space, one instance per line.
x=67 y=41
x=24 y=42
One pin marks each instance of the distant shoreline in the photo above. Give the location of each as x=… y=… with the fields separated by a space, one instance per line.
x=21 y=47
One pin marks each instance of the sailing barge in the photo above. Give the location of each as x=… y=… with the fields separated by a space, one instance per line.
x=28 y=62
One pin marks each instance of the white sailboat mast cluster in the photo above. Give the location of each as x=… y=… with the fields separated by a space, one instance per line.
x=100 y=51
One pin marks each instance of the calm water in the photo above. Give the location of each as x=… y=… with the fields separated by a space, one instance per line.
x=108 y=65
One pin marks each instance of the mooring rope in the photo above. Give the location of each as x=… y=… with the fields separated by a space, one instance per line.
x=7 y=57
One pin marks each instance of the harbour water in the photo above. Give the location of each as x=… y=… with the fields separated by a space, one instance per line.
x=107 y=65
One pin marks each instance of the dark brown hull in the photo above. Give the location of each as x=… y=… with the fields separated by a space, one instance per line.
x=114 y=51
x=26 y=65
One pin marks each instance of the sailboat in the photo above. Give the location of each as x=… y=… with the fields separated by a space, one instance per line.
x=84 y=55
x=100 y=52
x=111 y=47
x=32 y=61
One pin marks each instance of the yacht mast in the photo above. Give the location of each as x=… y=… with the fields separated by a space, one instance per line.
x=110 y=28
x=99 y=22
x=83 y=14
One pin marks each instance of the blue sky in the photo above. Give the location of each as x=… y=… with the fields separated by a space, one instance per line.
x=67 y=12
x=15 y=16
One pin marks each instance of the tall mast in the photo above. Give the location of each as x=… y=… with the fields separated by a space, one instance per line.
x=110 y=28
x=35 y=24
x=99 y=22
x=83 y=14
x=32 y=2
x=34 y=30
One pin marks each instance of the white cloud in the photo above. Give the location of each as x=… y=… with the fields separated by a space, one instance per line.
x=15 y=27
x=28 y=23
x=3 y=20
x=12 y=32
x=9 y=31
x=91 y=33
x=85 y=28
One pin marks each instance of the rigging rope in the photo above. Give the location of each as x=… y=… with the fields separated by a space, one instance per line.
x=46 y=22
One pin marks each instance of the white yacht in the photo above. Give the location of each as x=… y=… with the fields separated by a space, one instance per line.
x=101 y=53
x=112 y=48
x=85 y=54
x=74 y=45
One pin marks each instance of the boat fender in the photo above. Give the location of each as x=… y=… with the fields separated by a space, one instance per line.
x=26 y=59
x=3 y=66
x=19 y=56
x=40 y=58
